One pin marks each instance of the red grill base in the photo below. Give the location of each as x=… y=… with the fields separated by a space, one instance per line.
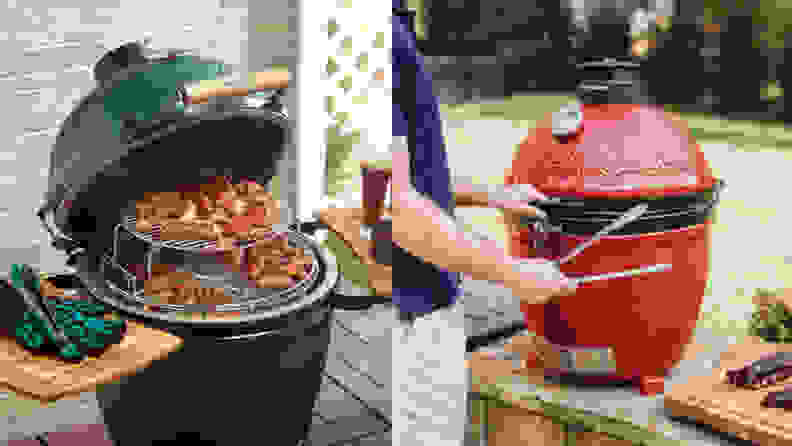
x=647 y=320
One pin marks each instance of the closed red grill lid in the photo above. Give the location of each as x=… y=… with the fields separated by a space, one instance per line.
x=614 y=151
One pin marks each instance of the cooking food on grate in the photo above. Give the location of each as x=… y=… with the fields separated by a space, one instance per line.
x=212 y=211
x=168 y=286
x=763 y=372
x=271 y=263
x=224 y=213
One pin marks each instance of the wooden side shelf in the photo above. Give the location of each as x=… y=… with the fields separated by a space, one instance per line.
x=48 y=379
x=346 y=223
x=731 y=409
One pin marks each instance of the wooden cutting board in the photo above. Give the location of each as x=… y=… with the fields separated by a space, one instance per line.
x=346 y=223
x=47 y=379
x=731 y=409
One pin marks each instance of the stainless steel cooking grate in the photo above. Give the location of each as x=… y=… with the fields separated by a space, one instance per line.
x=153 y=237
x=145 y=246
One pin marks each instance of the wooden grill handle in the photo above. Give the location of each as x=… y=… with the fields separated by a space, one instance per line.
x=265 y=80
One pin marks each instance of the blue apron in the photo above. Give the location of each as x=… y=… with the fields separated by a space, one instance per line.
x=418 y=286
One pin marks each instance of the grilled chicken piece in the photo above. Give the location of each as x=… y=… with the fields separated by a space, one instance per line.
x=220 y=215
x=264 y=245
x=190 y=213
x=265 y=261
x=144 y=210
x=161 y=268
x=206 y=206
x=171 y=210
x=264 y=198
x=248 y=188
x=225 y=243
x=144 y=226
x=260 y=233
x=253 y=271
x=216 y=186
x=159 y=198
x=235 y=206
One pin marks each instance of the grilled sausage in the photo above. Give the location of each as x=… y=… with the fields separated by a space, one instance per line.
x=274 y=281
x=194 y=230
x=275 y=269
x=215 y=296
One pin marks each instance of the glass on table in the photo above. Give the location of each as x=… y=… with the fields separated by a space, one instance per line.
x=375 y=179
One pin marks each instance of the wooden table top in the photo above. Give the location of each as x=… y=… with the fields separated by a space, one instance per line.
x=346 y=222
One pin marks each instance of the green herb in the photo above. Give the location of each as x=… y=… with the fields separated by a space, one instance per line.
x=773 y=322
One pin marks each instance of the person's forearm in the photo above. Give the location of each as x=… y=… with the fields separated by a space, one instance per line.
x=426 y=231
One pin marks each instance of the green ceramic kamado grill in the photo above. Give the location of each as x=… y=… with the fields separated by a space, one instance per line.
x=152 y=125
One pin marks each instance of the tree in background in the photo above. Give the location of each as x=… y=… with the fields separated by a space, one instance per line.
x=771 y=21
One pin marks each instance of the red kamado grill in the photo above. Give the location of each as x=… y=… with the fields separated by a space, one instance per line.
x=254 y=372
x=598 y=158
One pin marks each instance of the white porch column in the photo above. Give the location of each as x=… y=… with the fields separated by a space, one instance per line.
x=280 y=34
x=312 y=144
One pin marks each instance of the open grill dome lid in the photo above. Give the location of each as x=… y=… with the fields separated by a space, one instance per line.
x=134 y=133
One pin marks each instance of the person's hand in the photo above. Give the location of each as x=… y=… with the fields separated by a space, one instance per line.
x=536 y=281
x=514 y=200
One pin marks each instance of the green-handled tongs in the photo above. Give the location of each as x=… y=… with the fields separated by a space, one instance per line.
x=25 y=280
x=66 y=324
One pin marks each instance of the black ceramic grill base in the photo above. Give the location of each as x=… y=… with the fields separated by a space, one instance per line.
x=230 y=393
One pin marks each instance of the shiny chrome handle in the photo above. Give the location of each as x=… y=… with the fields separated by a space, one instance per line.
x=629 y=273
x=622 y=221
